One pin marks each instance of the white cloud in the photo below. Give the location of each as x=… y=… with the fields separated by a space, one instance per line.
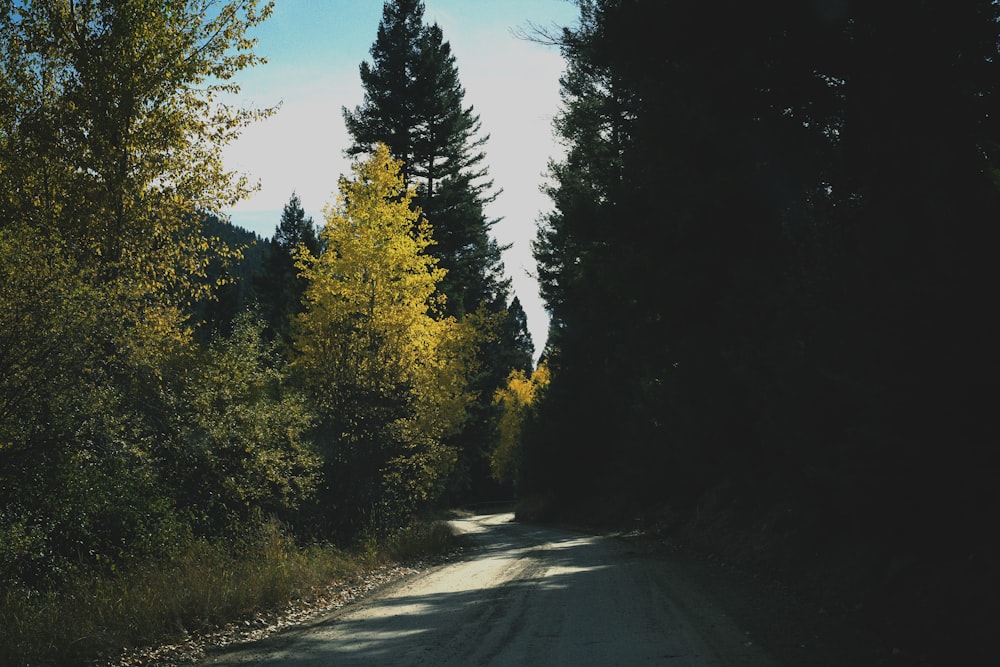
x=300 y=148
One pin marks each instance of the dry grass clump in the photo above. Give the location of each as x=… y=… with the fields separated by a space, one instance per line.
x=204 y=586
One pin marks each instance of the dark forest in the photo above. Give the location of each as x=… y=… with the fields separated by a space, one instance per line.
x=769 y=269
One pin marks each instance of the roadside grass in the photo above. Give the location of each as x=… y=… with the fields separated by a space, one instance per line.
x=421 y=539
x=202 y=588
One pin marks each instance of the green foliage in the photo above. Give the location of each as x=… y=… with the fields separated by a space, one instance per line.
x=109 y=152
x=236 y=442
x=96 y=475
x=77 y=481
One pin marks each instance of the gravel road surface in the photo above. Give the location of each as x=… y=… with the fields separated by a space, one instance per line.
x=524 y=595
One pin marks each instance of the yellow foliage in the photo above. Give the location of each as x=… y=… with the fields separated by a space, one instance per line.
x=516 y=400
x=372 y=330
x=110 y=145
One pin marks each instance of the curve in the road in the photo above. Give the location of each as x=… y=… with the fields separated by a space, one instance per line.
x=525 y=596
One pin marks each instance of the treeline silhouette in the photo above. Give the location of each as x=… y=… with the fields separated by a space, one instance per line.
x=769 y=266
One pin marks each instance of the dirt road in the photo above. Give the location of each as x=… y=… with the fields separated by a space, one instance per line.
x=524 y=596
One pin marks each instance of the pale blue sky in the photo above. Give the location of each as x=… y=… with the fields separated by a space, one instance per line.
x=314 y=48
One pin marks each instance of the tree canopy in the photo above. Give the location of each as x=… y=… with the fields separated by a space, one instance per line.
x=110 y=155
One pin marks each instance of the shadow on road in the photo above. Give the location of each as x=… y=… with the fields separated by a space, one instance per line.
x=524 y=595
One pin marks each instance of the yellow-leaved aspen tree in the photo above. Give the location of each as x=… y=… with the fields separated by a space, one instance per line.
x=387 y=370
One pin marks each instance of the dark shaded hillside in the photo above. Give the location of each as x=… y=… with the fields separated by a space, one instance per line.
x=238 y=292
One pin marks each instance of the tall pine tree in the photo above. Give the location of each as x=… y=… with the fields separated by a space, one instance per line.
x=280 y=286
x=414 y=103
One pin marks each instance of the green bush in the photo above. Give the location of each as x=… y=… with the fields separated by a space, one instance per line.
x=237 y=434
x=420 y=539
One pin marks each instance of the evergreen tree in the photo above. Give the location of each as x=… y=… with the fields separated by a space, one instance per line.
x=280 y=286
x=387 y=114
x=784 y=213
x=414 y=104
x=234 y=281
x=519 y=350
